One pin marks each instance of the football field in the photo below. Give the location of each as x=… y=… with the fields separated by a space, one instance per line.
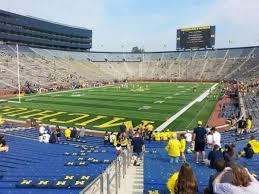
x=105 y=108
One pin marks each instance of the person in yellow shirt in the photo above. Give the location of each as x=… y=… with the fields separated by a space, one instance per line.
x=67 y=133
x=254 y=144
x=183 y=181
x=150 y=127
x=172 y=182
x=164 y=136
x=168 y=133
x=1 y=120
x=148 y=131
x=248 y=124
x=156 y=136
x=124 y=141
x=183 y=146
x=173 y=148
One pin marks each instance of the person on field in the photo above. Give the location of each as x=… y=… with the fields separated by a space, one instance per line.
x=199 y=137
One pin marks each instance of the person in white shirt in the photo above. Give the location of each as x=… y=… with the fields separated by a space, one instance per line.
x=112 y=138
x=189 y=145
x=216 y=136
x=242 y=182
x=45 y=138
x=210 y=140
x=188 y=137
x=41 y=132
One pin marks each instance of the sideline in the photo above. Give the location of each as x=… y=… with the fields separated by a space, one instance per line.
x=58 y=92
x=179 y=113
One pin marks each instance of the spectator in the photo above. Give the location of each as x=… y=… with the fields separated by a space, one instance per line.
x=164 y=136
x=53 y=137
x=208 y=129
x=123 y=128
x=216 y=137
x=183 y=182
x=156 y=136
x=47 y=130
x=173 y=148
x=254 y=144
x=118 y=149
x=248 y=152
x=188 y=137
x=41 y=132
x=58 y=133
x=230 y=156
x=149 y=129
x=219 y=164
x=210 y=140
x=106 y=140
x=248 y=124
x=1 y=120
x=199 y=137
x=242 y=182
x=112 y=138
x=214 y=155
x=74 y=133
x=124 y=140
x=138 y=148
x=45 y=137
x=131 y=134
x=67 y=133
x=3 y=146
x=82 y=132
x=241 y=126
x=183 y=146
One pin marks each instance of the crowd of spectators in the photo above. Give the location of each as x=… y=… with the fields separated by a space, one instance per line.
x=229 y=178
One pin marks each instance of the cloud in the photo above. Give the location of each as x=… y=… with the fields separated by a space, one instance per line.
x=148 y=23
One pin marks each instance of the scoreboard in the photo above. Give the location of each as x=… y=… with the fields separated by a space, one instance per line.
x=196 y=38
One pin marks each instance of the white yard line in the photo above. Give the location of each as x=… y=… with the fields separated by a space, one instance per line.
x=179 y=113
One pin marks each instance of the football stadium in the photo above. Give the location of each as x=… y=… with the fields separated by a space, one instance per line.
x=77 y=117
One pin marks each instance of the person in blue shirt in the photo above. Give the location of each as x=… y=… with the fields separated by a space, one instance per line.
x=214 y=155
x=199 y=137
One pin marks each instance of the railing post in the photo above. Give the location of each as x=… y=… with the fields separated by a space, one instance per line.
x=116 y=176
x=124 y=164
x=108 y=182
x=119 y=170
x=101 y=184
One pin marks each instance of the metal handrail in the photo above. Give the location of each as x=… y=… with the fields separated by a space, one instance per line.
x=100 y=181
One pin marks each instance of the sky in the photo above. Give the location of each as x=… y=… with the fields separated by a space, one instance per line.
x=119 y=25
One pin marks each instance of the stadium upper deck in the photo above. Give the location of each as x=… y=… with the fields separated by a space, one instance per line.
x=35 y=32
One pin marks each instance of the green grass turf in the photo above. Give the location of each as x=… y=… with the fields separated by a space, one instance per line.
x=130 y=103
